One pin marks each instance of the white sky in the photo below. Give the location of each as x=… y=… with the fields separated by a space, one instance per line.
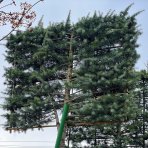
x=56 y=11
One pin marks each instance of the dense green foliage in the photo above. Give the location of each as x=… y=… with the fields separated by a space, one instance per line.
x=101 y=52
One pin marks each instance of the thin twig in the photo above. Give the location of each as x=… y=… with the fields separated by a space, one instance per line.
x=6 y=5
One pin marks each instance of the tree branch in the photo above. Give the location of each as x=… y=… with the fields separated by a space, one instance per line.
x=6 y=5
x=71 y=123
x=21 y=129
x=19 y=19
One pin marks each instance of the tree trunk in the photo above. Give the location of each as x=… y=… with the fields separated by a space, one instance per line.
x=118 y=136
x=63 y=137
x=57 y=119
x=67 y=90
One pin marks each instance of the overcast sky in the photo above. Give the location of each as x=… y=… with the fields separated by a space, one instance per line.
x=56 y=11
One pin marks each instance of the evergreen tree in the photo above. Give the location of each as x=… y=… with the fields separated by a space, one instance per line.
x=106 y=77
x=140 y=124
x=144 y=105
x=89 y=64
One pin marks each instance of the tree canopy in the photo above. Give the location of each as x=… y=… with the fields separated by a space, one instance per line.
x=89 y=65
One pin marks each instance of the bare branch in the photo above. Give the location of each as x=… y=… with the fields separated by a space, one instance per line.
x=6 y=5
x=21 y=129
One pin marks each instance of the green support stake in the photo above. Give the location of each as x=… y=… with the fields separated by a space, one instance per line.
x=62 y=124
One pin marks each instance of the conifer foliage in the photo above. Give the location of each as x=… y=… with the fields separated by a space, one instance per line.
x=140 y=124
x=89 y=64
